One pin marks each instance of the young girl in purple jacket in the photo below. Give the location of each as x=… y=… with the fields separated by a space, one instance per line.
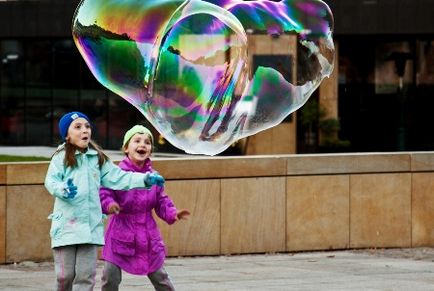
x=133 y=241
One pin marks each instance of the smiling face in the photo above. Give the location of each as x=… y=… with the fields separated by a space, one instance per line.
x=79 y=133
x=139 y=148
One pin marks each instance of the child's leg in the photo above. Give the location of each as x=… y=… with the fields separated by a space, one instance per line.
x=64 y=266
x=161 y=281
x=111 y=277
x=85 y=270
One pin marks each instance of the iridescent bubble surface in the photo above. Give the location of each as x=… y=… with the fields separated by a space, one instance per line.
x=194 y=69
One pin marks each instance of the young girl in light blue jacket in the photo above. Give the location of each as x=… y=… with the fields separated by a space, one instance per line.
x=77 y=170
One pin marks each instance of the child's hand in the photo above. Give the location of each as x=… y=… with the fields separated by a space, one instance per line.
x=114 y=208
x=153 y=179
x=182 y=214
x=70 y=190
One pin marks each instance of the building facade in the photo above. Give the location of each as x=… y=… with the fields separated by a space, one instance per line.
x=384 y=79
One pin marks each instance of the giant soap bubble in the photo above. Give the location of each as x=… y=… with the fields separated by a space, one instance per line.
x=187 y=66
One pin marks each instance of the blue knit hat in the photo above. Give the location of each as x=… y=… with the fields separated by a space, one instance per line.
x=66 y=121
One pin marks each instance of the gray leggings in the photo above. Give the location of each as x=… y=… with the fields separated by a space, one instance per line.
x=75 y=267
x=112 y=277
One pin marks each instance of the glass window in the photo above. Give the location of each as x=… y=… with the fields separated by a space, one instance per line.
x=94 y=104
x=420 y=99
x=39 y=105
x=66 y=82
x=368 y=120
x=118 y=126
x=12 y=92
x=385 y=93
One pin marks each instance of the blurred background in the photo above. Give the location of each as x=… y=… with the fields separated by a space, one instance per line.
x=379 y=98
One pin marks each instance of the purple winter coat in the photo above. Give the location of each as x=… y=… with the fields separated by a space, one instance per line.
x=132 y=240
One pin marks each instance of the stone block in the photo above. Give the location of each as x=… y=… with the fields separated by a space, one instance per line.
x=380 y=210
x=2 y=224
x=26 y=173
x=200 y=234
x=253 y=215
x=317 y=213
x=220 y=167
x=422 y=162
x=422 y=210
x=27 y=232
x=347 y=164
x=3 y=168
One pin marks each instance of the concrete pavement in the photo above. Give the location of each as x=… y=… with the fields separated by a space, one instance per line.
x=400 y=269
x=391 y=269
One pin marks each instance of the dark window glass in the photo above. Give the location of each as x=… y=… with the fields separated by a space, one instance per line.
x=12 y=101
x=121 y=117
x=39 y=77
x=93 y=104
x=66 y=81
x=385 y=93
x=421 y=101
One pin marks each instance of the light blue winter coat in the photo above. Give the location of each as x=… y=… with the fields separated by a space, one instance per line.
x=80 y=220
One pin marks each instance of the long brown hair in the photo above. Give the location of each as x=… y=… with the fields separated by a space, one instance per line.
x=70 y=149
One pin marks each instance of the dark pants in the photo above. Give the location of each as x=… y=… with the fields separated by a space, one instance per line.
x=112 y=277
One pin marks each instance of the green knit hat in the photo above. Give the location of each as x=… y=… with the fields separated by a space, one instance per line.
x=136 y=129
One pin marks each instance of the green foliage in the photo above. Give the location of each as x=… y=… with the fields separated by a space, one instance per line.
x=312 y=115
x=7 y=158
x=329 y=126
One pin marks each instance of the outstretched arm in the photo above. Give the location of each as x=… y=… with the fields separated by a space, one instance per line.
x=108 y=202
x=115 y=178
x=165 y=209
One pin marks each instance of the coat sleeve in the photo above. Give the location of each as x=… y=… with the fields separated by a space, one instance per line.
x=165 y=209
x=107 y=197
x=115 y=178
x=54 y=180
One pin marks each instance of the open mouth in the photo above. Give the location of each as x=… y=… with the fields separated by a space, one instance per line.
x=85 y=138
x=142 y=152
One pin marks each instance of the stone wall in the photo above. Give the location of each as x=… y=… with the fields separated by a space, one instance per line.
x=256 y=204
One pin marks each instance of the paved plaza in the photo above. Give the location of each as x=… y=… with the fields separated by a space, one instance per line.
x=372 y=269
x=395 y=269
